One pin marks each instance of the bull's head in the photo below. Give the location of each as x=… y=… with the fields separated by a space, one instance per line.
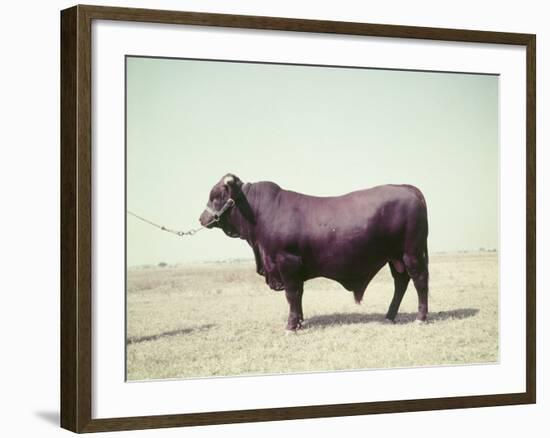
x=220 y=203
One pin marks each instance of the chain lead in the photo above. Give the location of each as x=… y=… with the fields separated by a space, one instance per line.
x=216 y=217
x=215 y=213
x=190 y=232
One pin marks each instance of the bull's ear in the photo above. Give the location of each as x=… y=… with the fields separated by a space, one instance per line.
x=232 y=181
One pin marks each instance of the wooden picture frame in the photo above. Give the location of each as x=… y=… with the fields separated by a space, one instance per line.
x=76 y=218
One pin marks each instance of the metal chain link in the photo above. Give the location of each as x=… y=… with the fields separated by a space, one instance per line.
x=216 y=217
x=190 y=232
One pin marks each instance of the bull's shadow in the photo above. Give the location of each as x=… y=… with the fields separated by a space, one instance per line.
x=402 y=318
x=185 y=331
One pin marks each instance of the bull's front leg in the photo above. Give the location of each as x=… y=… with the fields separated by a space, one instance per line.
x=295 y=315
x=259 y=262
x=290 y=270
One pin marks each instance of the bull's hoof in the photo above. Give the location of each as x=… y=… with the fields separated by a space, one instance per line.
x=293 y=328
x=388 y=321
x=289 y=332
x=421 y=321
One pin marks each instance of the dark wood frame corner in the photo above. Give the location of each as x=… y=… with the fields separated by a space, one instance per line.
x=76 y=221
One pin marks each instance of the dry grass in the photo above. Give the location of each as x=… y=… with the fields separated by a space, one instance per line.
x=221 y=319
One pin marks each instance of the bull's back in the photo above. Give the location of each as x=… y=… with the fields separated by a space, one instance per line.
x=343 y=233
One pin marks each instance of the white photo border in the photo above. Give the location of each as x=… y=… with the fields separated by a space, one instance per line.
x=113 y=397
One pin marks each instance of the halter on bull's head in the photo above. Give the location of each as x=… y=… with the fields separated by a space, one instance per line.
x=223 y=197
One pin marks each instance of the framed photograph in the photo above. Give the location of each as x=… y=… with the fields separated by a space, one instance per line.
x=271 y=218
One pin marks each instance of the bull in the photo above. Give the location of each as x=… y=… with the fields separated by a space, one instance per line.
x=349 y=238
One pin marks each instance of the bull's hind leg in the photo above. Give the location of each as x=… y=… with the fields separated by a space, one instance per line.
x=417 y=268
x=401 y=280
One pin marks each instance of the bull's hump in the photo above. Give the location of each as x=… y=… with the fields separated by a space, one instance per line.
x=266 y=185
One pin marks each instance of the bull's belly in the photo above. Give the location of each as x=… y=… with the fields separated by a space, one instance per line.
x=344 y=265
x=349 y=259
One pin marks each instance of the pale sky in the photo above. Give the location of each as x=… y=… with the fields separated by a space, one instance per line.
x=320 y=131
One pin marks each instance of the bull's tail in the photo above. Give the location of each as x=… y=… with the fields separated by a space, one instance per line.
x=426 y=263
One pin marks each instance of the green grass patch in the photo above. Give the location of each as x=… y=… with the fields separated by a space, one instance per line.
x=221 y=319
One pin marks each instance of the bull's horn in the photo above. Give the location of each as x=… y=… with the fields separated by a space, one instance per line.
x=228 y=180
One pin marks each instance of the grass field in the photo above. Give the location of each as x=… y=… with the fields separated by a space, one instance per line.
x=221 y=319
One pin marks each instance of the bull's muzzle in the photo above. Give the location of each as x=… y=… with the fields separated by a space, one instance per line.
x=207 y=219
